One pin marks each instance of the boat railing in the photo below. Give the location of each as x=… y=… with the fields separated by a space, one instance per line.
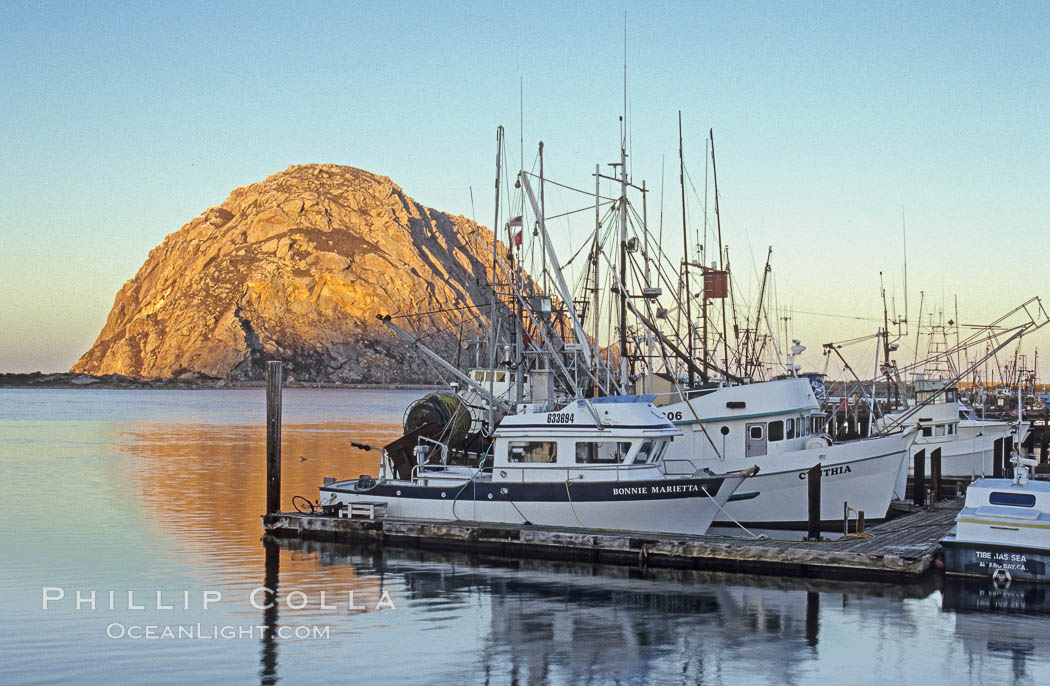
x=431 y=472
x=693 y=469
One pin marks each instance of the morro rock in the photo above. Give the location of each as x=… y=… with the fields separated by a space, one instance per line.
x=296 y=268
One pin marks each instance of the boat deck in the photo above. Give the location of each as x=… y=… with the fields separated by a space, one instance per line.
x=902 y=548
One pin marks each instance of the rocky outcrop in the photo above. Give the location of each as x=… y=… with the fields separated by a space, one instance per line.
x=296 y=268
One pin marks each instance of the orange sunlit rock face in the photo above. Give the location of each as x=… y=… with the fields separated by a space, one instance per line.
x=297 y=267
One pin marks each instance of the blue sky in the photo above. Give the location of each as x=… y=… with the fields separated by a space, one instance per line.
x=120 y=122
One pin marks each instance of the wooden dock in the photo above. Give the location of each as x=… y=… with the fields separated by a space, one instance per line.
x=901 y=549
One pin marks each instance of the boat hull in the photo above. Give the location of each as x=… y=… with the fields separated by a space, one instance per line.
x=965 y=458
x=861 y=475
x=675 y=506
x=992 y=560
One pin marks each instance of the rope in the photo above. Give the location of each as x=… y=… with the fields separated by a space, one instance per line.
x=757 y=537
x=572 y=507
x=481 y=466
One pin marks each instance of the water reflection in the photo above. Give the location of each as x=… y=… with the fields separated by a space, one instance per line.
x=574 y=622
x=271 y=581
x=170 y=486
x=996 y=619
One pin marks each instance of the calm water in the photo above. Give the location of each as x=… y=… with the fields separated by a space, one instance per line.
x=161 y=491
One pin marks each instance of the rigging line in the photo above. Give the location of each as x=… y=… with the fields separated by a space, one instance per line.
x=450 y=309
x=582 y=209
x=836 y=316
x=571 y=188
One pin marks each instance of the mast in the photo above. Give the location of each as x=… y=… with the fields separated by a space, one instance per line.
x=492 y=284
x=645 y=258
x=753 y=353
x=685 y=265
x=594 y=267
x=543 y=209
x=721 y=261
x=625 y=375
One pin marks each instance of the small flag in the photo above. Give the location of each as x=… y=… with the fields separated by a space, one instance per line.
x=515 y=223
x=516 y=239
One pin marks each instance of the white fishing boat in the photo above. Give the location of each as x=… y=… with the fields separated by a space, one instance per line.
x=777 y=426
x=592 y=464
x=967 y=444
x=1003 y=530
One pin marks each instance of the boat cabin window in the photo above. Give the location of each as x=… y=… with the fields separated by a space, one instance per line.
x=532 y=451
x=756 y=431
x=949 y=396
x=951 y=429
x=1013 y=499
x=776 y=431
x=927 y=431
x=644 y=453
x=791 y=428
x=501 y=376
x=601 y=452
x=938 y=430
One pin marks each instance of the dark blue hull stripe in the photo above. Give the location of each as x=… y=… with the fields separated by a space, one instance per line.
x=547 y=492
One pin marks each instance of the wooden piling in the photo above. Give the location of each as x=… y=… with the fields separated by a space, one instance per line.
x=860 y=521
x=918 y=495
x=1042 y=439
x=274 y=383
x=813 y=477
x=997 y=459
x=935 y=477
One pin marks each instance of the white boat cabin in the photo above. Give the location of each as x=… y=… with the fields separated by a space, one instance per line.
x=752 y=420
x=1005 y=512
x=568 y=444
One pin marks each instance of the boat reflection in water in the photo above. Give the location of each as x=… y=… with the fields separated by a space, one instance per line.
x=1010 y=620
x=543 y=621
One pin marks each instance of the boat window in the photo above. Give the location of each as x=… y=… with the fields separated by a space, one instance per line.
x=478 y=376
x=949 y=396
x=659 y=452
x=643 y=453
x=1014 y=499
x=927 y=431
x=951 y=429
x=601 y=452
x=776 y=431
x=756 y=432
x=532 y=451
x=791 y=428
x=501 y=376
x=939 y=430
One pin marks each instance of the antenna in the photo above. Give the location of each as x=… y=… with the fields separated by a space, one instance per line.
x=904 y=234
x=625 y=68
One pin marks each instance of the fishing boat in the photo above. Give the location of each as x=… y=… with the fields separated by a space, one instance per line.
x=1003 y=530
x=778 y=427
x=967 y=444
x=591 y=464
